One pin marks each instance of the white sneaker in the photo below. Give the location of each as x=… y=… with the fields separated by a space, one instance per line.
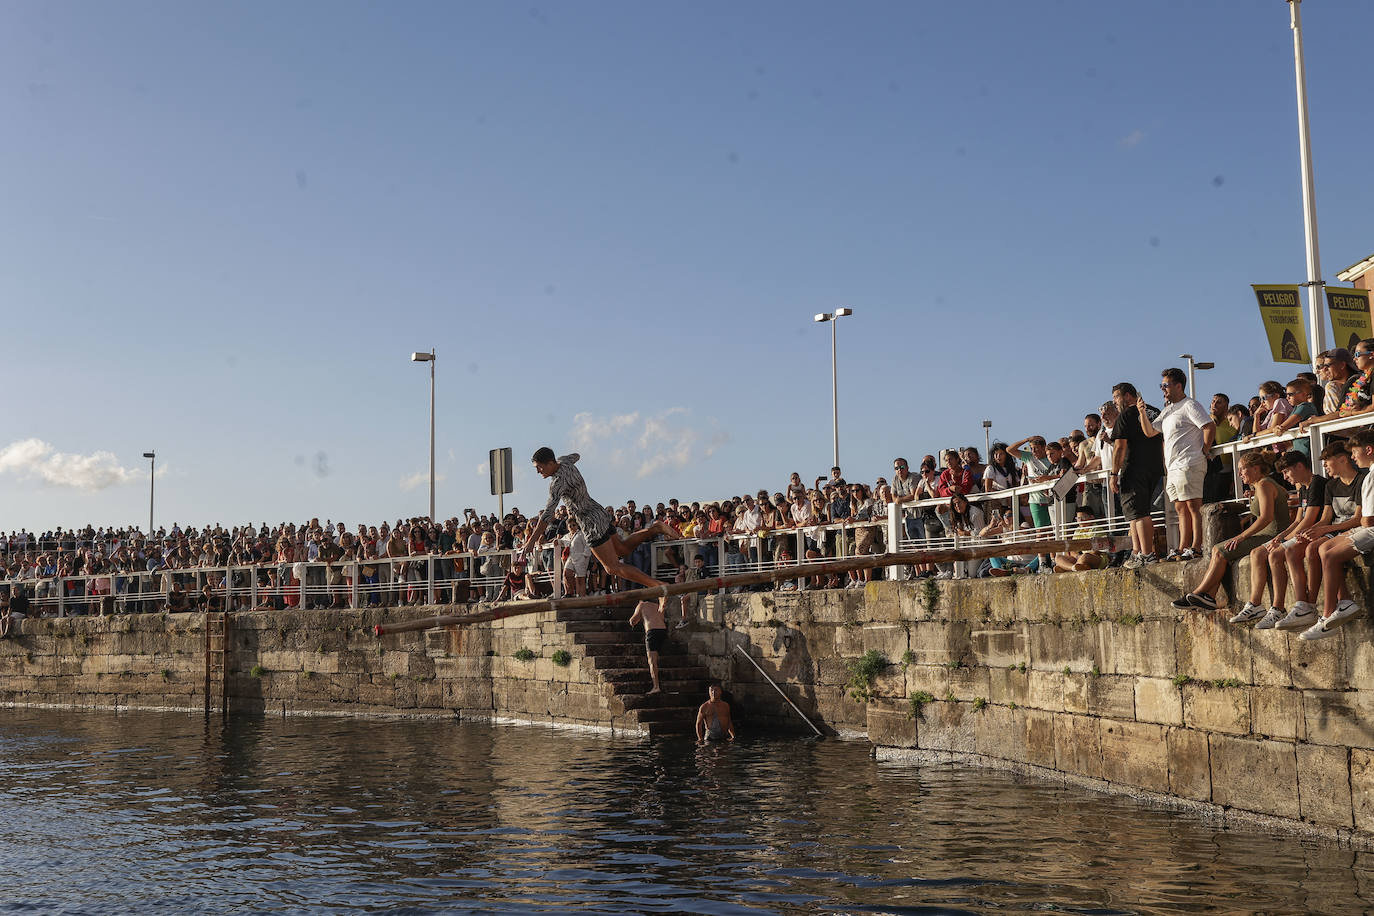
x=1302 y=616
x=944 y=574
x=1318 y=630
x=1134 y=561
x=1248 y=613
x=1345 y=612
x=1271 y=619
x=682 y=624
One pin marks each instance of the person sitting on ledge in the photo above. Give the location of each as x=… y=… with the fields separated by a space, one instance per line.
x=1335 y=553
x=1269 y=508
x=1080 y=560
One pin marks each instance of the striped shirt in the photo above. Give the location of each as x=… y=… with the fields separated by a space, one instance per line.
x=568 y=486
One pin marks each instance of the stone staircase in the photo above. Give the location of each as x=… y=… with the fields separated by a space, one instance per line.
x=615 y=652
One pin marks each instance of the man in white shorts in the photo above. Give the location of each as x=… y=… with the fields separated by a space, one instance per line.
x=1335 y=553
x=579 y=554
x=1188 y=433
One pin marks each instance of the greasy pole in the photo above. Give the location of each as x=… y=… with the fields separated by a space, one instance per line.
x=778 y=574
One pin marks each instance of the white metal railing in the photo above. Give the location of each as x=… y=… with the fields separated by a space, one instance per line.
x=425 y=579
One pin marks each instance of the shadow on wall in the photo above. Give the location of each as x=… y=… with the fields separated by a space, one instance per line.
x=791 y=666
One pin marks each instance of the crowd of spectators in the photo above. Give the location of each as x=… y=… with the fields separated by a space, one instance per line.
x=1152 y=455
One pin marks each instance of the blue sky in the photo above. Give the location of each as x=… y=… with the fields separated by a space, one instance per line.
x=226 y=226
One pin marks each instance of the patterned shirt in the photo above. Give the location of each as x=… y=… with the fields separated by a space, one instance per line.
x=1358 y=395
x=568 y=486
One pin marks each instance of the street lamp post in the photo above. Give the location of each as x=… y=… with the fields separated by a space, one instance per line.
x=1192 y=377
x=987 y=440
x=152 y=465
x=833 y=317
x=1316 y=327
x=429 y=358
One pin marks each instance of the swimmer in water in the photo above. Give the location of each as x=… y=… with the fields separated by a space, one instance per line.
x=713 y=718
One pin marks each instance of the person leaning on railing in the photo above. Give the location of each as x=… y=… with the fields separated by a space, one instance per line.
x=1359 y=394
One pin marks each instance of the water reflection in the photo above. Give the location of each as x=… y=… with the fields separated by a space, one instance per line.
x=164 y=813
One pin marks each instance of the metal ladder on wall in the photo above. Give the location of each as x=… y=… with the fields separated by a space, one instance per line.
x=216 y=648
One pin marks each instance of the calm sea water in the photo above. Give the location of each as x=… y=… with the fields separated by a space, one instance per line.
x=161 y=813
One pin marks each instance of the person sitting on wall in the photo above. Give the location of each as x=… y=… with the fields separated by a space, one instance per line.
x=1337 y=611
x=1269 y=510
x=1079 y=560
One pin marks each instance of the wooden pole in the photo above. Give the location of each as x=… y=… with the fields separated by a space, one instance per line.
x=777 y=574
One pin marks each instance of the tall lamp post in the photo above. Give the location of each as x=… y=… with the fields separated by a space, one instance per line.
x=1316 y=327
x=833 y=317
x=429 y=358
x=987 y=440
x=1192 y=378
x=152 y=465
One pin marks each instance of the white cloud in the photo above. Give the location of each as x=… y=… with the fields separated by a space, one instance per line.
x=1132 y=139
x=589 y=430
x=484 y=469
x=664 y=441
x=34 y=458
x=419 y=479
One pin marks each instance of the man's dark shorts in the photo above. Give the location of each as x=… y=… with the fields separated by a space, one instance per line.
x=1136 y=499
x=654 y=639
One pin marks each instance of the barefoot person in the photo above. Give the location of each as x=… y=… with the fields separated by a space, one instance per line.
x=713 y=718
x=655 y=635
x=596 y=523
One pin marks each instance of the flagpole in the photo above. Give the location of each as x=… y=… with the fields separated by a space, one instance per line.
x=1316 y=326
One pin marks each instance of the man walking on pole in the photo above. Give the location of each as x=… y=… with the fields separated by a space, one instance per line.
x=596 y=523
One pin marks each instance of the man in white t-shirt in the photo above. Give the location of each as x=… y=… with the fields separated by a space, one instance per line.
x=1188 y=432
x=1338 y=551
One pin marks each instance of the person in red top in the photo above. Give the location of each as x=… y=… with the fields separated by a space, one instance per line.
x=955 y=478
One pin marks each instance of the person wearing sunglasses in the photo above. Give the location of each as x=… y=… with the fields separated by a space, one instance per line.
x=1359 y=394
x=1188 y=433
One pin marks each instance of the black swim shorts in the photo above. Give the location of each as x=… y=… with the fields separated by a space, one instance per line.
x=654 y=639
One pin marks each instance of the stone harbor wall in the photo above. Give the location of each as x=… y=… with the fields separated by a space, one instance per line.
x=329 y=662
x=1091 y=677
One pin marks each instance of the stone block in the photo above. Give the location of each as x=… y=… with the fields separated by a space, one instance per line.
x=889 y=639
x=1320 y=665
x=944 y=726
x=469 y=693
x=1134 y=754
x=933 y=679
x=1359 y=662
x=380 y=691
x=890 y=724
x=1324 y=795
x=1077 y=745
x=849 y=641
x=1269 y=661
x=1146 y=648
x=1037 y=729
x=1255 y=775
x=935 y=643
x=1007 y=686
x=998 y=648
x=1110 y=696
x=1339 y=718
x=1207 y=649
x=1362 y=788
x=1072 y=645
x=1190 y=767
x=994 y=732
x=1158 y=700
x=1277 y=712
x=1045 y=690
x=970 y=683
x=1217 y=709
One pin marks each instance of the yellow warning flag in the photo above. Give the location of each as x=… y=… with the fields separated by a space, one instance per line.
x=1349 y=316
x=1281 y=309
